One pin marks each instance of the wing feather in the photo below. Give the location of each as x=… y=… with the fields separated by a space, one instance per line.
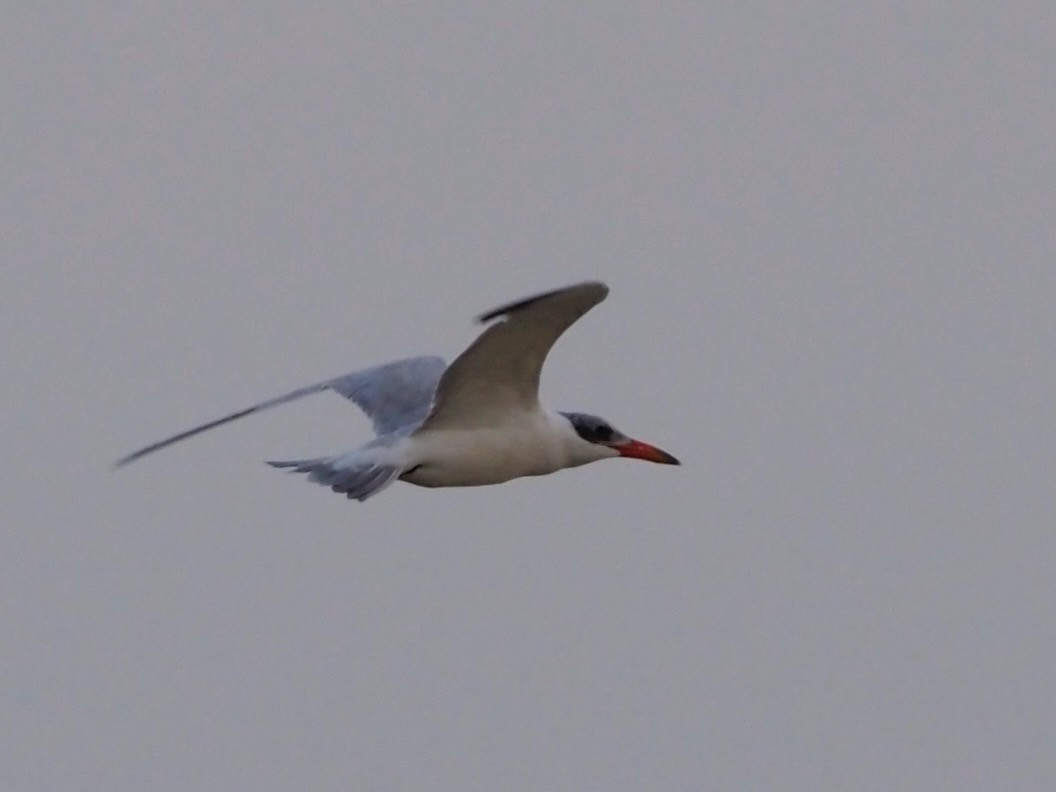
x=395 y=396
x=499 y=372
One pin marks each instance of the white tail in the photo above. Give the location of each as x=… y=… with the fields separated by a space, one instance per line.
x=345 y=474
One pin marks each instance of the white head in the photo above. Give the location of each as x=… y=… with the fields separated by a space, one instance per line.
x=594 y=438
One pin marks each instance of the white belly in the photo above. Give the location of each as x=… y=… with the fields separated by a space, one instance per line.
x=473 y=457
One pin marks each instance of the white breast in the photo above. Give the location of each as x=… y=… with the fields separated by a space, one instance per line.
x=533 y=446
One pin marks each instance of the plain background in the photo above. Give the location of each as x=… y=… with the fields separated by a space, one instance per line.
x=828 y=229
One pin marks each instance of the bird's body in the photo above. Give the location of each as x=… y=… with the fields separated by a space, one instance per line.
x=535 y=444
x=475 y=422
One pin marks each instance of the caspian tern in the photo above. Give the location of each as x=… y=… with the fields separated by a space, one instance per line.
x=477 y=421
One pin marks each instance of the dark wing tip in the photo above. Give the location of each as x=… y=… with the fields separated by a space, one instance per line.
x=123 y=461
x=598 y=289
x=184 y=435
x=126 y=460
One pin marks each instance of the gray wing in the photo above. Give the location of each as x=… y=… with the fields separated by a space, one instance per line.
x=499 y=372
x=394 y=396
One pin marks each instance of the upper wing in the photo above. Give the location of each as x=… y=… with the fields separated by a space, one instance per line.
x=499 y=372
x=394 y=396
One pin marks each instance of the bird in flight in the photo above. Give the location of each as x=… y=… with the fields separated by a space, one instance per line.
x=475 y=422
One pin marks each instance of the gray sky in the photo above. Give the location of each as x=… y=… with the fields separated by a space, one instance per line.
x=829 y=234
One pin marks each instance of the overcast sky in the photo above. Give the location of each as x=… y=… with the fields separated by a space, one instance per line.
x=829 y=233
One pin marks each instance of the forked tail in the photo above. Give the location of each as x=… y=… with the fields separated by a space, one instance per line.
x=355 y=479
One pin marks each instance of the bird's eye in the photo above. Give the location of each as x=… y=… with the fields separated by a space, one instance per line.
x=603 y=432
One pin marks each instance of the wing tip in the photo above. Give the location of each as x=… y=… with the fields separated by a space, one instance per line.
x=599 y=290
x=130 y=458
